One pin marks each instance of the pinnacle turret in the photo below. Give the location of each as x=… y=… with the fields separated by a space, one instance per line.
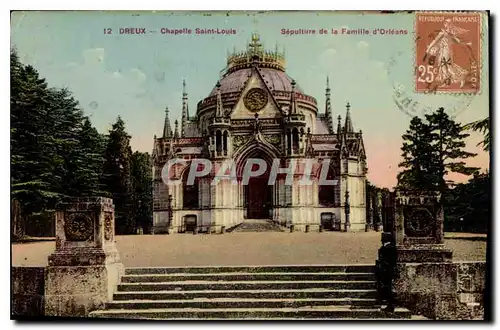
x=293 y=102
x=339 y=125
x=348 y=122
x=185 y=109
x=219 y=112
x=167 y=129
x=328 y=107
x=176 y=131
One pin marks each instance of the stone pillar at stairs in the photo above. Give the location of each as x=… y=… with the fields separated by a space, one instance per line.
x=425 y=275
x=85 y=268
x=419 y=228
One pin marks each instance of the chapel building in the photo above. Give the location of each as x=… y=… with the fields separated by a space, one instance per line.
x=257 y=111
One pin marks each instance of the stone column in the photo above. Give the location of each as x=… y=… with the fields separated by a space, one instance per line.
x=85 y=267
x=419 y=227
x=425 y=275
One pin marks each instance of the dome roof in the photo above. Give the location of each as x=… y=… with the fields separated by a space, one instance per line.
x=275 y=79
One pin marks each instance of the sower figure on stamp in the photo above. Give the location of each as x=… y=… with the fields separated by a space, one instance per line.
x=385 y=270
x=440 y=50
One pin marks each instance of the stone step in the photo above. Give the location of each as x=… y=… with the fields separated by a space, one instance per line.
x=273 y=276
x=331 y=312
x=288 y=292
x=360 y=268
x=241 y=303
x=257 y=225
x=245 y=294
x=245 y=285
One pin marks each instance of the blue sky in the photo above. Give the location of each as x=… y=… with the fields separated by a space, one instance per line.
x=136 y=76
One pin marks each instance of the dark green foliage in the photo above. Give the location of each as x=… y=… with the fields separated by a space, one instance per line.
x=418 y=159
x=33 y=157
x=482 y=126
x=85 y=163
x=449 y=143
x=53 y=146
x=433 y=148
x=468 y=206
x=57 y=153
x=128 y=179
x=142 y=184
x=117 y=177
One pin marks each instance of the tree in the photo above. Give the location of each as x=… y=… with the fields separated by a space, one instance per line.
x=55 y=151
x=482 y=126
x=468 y=205
x=418 y=158
x=64 y=124
x=449 y=144
x=117 y=177
x=433 y=148
x=33 y=152
x=85 y=162
x=143 y=187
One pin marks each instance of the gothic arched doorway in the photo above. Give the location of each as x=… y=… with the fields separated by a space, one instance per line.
x=257 y=193
x=258 y=199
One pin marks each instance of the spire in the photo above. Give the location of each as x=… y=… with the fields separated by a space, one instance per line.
x=167 y=130
x=219 y=112
x=255 y=45
x=185 y=110
x=348 y=123
x=339 y=125
x=176 y=131
x=293 y=103
x=328 y=107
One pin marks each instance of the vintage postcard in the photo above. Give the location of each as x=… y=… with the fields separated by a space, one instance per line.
x=248 y=165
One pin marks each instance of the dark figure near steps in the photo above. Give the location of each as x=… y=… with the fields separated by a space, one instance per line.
x=385 y=269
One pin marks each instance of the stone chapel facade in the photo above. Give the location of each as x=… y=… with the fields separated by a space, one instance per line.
x=257 y=111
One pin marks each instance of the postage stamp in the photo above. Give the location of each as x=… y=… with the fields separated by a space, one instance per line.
x=447 y=52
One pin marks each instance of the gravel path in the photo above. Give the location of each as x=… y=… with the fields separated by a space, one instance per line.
x=248 y=248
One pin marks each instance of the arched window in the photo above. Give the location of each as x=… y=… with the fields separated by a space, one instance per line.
x=218 y=141
x=289 y=141
x=224 y=142
x=295 y=140
x=189 y=192
x=326 y=193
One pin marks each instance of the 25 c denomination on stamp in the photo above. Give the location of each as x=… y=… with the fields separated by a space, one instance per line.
x=448 y=51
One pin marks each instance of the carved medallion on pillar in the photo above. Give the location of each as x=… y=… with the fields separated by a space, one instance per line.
x=419 y=227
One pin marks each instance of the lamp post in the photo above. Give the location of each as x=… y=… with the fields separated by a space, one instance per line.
x=380 y=221
x=347 y=209
x=369 y=225
x=170 y=215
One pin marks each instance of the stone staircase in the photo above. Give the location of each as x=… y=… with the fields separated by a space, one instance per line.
x=256 y=225
x=248 y=292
